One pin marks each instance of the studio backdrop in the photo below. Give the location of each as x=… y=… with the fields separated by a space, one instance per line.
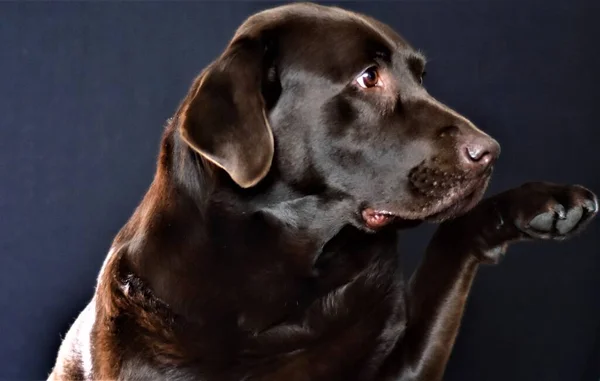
x=86 y=88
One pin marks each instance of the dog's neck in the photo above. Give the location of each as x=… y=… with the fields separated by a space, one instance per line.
x=194 y=216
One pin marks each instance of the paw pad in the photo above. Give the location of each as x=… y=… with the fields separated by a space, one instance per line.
x=561 y=211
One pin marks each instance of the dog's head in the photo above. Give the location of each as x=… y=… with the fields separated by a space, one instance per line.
x=335 y=100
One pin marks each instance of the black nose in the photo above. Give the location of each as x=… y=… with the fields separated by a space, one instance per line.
x=479 y=151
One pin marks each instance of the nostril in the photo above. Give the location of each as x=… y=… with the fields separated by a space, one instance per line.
x=477 y=152
x=480 y=152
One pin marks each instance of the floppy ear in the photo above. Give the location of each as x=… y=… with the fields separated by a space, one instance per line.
x=223 y=117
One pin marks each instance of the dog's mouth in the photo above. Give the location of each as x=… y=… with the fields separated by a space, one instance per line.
x=438 y=197
x=376 y=219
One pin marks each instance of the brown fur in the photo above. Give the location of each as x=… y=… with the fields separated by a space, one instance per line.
x=248 y=260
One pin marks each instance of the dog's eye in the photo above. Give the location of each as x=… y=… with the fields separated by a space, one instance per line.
x=369 y=78
x=422 y=76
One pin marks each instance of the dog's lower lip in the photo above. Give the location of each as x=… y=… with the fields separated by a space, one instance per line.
x=377 y=218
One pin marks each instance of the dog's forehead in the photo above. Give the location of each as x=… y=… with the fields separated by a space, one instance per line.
x=322 y=21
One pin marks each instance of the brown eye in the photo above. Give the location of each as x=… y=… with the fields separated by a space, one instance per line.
x=369 y=78
x=422 y=76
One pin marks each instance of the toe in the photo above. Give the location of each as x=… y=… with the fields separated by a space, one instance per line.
x=571 y=220
x=542 y=222
x=591 y=205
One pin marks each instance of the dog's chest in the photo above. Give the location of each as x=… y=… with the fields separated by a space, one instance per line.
x=346 y=330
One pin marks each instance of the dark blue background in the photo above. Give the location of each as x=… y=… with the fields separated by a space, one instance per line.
x=86 y=89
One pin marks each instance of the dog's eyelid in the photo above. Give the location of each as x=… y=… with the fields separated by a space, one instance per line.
x=370 y=66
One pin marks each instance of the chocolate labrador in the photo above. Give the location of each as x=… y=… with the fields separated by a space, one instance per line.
x=266 y=246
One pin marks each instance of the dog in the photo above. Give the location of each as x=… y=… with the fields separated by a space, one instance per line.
x=266 y=245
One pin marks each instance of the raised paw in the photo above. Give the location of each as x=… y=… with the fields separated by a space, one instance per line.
x=551 y=211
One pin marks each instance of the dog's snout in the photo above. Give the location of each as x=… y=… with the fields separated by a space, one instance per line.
x=479 y=151
x=475 y=149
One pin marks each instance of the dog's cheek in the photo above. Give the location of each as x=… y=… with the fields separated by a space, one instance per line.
x=338 y=115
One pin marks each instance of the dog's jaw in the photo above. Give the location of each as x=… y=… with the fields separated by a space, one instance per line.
x=434 y=204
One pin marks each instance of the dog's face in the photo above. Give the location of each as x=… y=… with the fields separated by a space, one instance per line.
x=335 y=100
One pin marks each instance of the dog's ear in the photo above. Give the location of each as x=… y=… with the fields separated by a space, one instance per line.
x=223 y=117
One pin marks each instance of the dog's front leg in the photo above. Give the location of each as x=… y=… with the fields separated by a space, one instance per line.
x=438 y=290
